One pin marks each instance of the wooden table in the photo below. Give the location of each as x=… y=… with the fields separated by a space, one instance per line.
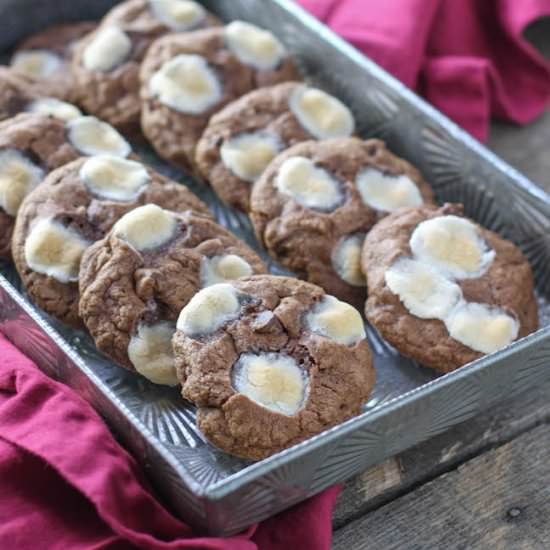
x=486 y=483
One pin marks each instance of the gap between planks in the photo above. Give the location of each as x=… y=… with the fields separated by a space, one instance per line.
x=499 y=501
x=403 y=473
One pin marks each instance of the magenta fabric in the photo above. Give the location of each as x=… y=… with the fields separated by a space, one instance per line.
x=467 y=57
x=67 y=484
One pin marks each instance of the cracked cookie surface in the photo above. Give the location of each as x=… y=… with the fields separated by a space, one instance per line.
x=310 y=215
x=40 y=140
x=174 y=133
x=112 y=93
x=129 y=286
x=65 y=200
x=57 y=41
x=263 y=112
x=504 y=284
x=270 y=361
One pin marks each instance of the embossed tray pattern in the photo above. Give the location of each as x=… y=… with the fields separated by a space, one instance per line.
x=220 y=494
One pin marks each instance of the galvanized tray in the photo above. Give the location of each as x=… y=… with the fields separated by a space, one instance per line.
x=220 y=494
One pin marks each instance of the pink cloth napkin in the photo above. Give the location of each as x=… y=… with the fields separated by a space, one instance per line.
x=67 y=484
x=467 y=57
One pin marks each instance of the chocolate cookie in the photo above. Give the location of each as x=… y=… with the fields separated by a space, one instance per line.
x=19 y=94
x=73 y=207
x=46 y=58
x=443 y=290
x=242 y=139
x=106 y=63
x=31 y=146
x=186 y=78
x=270 y=361
x=315 y=202
x=135 y=281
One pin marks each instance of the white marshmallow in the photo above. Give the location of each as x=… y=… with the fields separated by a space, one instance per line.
x=321 y=114
x=209 y=309
x=36 y=63
x=109 y=48
x=150 y=351
x=254 y=46
x=54 y=107
x=186 y=83
x=91 y=136
x=247 y=155
x=309 y=185
x=423 y=290
x=336 y=320
x=219 y=269
x=146 y=227
x=346 y=259
x=272 y=380
x=179 y=15
x=452 y=244
x=481 y=327
x=114 y=178
x=385 y=192
x=18 y=177
x=54 y=250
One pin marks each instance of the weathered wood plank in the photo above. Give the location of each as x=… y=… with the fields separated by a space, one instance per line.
x=398 y=475
x=525 y=148
x=499 y=500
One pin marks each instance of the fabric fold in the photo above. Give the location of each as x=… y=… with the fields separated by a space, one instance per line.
x=469 y=58
x=67 y=483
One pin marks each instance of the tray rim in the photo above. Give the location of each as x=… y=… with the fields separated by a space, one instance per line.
x=219 y=489
x=39 y=318
x=296 y=10
x=223 y=487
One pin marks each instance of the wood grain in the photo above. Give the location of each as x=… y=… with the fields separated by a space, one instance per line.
x=499 y=501
x=397 y=524
x=400 y=474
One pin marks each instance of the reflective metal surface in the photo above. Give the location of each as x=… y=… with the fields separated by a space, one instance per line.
x=221 y=494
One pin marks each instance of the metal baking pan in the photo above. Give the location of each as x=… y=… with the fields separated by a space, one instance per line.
x=217 y=493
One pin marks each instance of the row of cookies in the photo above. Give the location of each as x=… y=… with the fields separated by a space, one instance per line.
x=268 y=361
x=311 y=215
x=240 y=139
x=133 y=326
x=338 y=211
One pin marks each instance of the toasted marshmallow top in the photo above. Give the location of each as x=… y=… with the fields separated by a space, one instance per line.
x=110 y=47
x=336 y=320
x=209 y=309
x=346 y=259
x=54 y=107
x=272 y=380
x=91 y=136
x=248 y=154
x=36 y=63
x=481 y=327
x=227 y=267
x=422 y=289
x=452 y=244
x=114 y=178
x=321 y=114
x=253 y=45
x=150 y=351
x=386 y=192
x=179 y=15
x=54 y=250
x=187 y=84
x=146 y=227
x=18 y=177
x=309 y=185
